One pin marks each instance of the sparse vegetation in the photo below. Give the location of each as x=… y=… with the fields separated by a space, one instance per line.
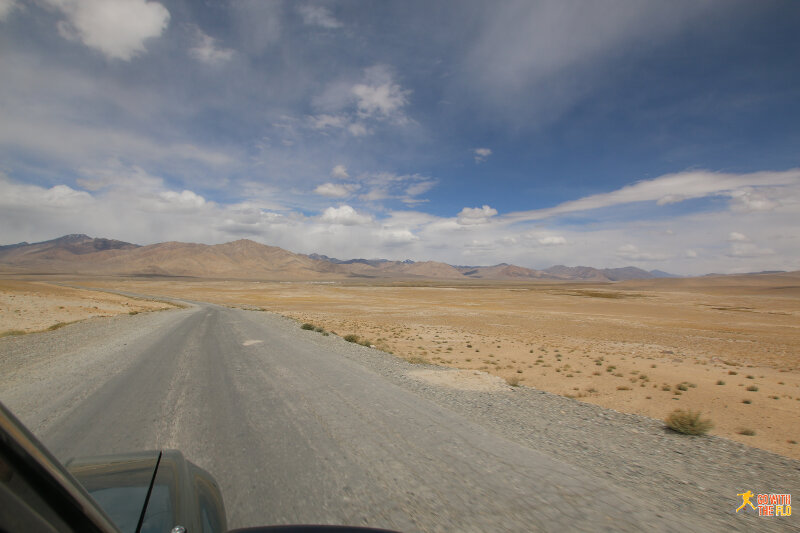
x=720 y=382
x=688 y=422
x=513 y=381
x=12 y=333
x=307 y=326
x=351 y=337
x=752 y=388
x=747 y=432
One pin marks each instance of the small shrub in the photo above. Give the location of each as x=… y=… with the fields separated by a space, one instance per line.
x=720 y=382
x=732 y=372
x=319 y=330
x=748 y=432
x=307 y=326
x=513 y=381
x=418 y=360
x=688 y=422
x=752 y=388
x=681 y=386
x=351 y=338
x=623 y=387
x=57 y=326
x=748 y=402
x=750 y=377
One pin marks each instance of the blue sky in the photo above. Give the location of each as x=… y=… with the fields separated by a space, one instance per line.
x=604 y=133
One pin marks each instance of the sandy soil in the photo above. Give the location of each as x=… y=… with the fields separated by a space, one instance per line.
x=727 y=348
x=26 y=307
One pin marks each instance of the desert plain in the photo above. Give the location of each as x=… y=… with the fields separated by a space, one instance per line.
x=728 y=346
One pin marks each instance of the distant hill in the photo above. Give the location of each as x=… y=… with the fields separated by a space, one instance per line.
x=605 y=274
x=246 y=259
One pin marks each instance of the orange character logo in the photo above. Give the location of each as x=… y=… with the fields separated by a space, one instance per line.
x=746 y=500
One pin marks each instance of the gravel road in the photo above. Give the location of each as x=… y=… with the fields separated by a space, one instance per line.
x=302 y=428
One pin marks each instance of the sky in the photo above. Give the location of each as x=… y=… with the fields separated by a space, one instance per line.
x=608 y=133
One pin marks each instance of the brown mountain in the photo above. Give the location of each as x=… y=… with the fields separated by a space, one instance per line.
x=79 y=254
x=504 y=271
x=246 y=259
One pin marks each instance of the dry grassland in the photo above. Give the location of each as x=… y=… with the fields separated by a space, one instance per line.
x=26 y=307
x=728 y=347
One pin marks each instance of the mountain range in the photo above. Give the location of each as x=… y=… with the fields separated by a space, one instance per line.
x=246 y=259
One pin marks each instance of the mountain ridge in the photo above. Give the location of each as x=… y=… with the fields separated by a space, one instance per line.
x=247 y=259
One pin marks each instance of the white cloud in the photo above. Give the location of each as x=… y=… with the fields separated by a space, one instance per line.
x=673 y=188
x=475 y=215
x=357 y=129
x=117 y=28
x=552 y=240
x=533 y=61
x=344 y=215
x=378 y=96
x=737 y=237
x=748 y=199
x=318 y=16
x=394 y=236
x=340 y=172
x=481 y=154
x=631 y=252
x=180 y=201
x=336 y=190
x=321 y=122
x=749 y=250
x=206 y=50
x=6 y=6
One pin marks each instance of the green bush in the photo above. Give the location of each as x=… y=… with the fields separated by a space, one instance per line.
x=351 y=338
x=688 y=422
x=307 y=326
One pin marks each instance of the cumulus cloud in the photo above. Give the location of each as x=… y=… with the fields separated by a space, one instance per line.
x=207 y=50
x=481 y=154
x=357 y=106
x=737 y=237
x=180 y=201
x=318 y=16
x=394 y=236
x=379 y=96
x=117 y=28
x=340 y=172
x=470 y=216
x=336 y=190
x=344 y=215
